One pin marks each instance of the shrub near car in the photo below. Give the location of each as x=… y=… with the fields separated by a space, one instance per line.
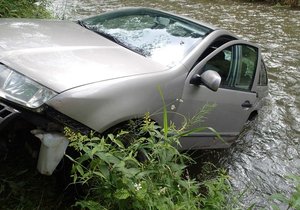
x=102 y=71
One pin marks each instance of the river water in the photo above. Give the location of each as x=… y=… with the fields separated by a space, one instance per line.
x=269 y=147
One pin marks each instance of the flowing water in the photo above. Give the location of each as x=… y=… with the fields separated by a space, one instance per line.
x=269 y=148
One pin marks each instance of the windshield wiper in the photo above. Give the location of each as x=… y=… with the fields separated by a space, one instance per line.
x=116 y=40
x=102 y=33
x=110 y=37
x=113 y=38
x=81 y=23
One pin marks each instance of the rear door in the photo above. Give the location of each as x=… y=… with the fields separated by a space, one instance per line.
x=236 y=62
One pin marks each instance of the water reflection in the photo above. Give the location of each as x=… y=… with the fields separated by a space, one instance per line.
x=269 y=148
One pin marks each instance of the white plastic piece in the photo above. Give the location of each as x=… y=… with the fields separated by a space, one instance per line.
x=52 y=150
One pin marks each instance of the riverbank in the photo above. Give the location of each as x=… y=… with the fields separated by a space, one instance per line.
x=290 y=3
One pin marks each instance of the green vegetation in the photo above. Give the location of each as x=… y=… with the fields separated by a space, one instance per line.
x=23 y=9
x=148 y=173
x=142 y=170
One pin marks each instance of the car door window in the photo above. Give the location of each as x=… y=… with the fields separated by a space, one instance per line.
x=221 y=63
x=263 y=78
x=246 y=66
x=236 y=66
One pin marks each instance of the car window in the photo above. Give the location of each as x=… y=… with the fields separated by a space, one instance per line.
x=236 y=66
x=221 y=63
x=162 y=37
x=246 y=67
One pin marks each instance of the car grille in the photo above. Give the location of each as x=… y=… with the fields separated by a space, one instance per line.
x=7 y=113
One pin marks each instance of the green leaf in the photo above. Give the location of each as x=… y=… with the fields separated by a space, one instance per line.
x=279 y=197
x=99 y=174
x=122 y=194
x=191 y=131
x=165 y=113
x=107 y=157
x=295 y=200
x=79 y=169
x=111 y=136
x=132 y=161
x=119 y=143
x=275 y=207
x=92 y=205
x=104 y=171
x=145 y=174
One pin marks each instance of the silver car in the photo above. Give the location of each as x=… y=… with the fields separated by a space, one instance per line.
x=102 y=71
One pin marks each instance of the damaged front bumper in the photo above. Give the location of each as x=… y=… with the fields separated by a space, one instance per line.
x=47 y=125
x=52 y=150
x=7 y=114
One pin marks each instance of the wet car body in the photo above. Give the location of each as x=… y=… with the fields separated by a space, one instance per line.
x=100 y=72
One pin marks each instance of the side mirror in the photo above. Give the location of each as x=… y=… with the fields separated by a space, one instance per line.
x=211 y=79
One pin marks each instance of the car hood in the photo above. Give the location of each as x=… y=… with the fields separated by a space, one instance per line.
x=62 y=55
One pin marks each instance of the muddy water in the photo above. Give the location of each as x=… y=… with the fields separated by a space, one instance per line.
x=269 y=148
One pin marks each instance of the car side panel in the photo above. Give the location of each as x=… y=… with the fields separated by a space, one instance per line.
x=104 y=104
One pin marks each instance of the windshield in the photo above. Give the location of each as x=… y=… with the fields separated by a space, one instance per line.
x=162 y=37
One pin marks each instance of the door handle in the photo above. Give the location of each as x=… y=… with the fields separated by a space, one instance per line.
x=246 y=104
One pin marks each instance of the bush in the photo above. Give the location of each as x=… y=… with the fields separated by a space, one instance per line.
x=23 y=9
x=141 y=170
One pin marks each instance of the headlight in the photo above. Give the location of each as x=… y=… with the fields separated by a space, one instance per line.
x=20 y=89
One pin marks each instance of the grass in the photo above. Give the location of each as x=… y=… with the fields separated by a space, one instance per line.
x=23 y=9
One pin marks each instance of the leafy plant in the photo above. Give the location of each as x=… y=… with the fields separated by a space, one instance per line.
x=115 y=178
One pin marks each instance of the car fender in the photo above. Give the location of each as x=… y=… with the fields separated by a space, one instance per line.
x=104 y=104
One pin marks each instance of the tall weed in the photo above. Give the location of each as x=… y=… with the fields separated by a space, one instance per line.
x=115 y=178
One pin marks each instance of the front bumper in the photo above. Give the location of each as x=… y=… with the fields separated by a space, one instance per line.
x=7 y=114
x=45 y=123
x=44 y=117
